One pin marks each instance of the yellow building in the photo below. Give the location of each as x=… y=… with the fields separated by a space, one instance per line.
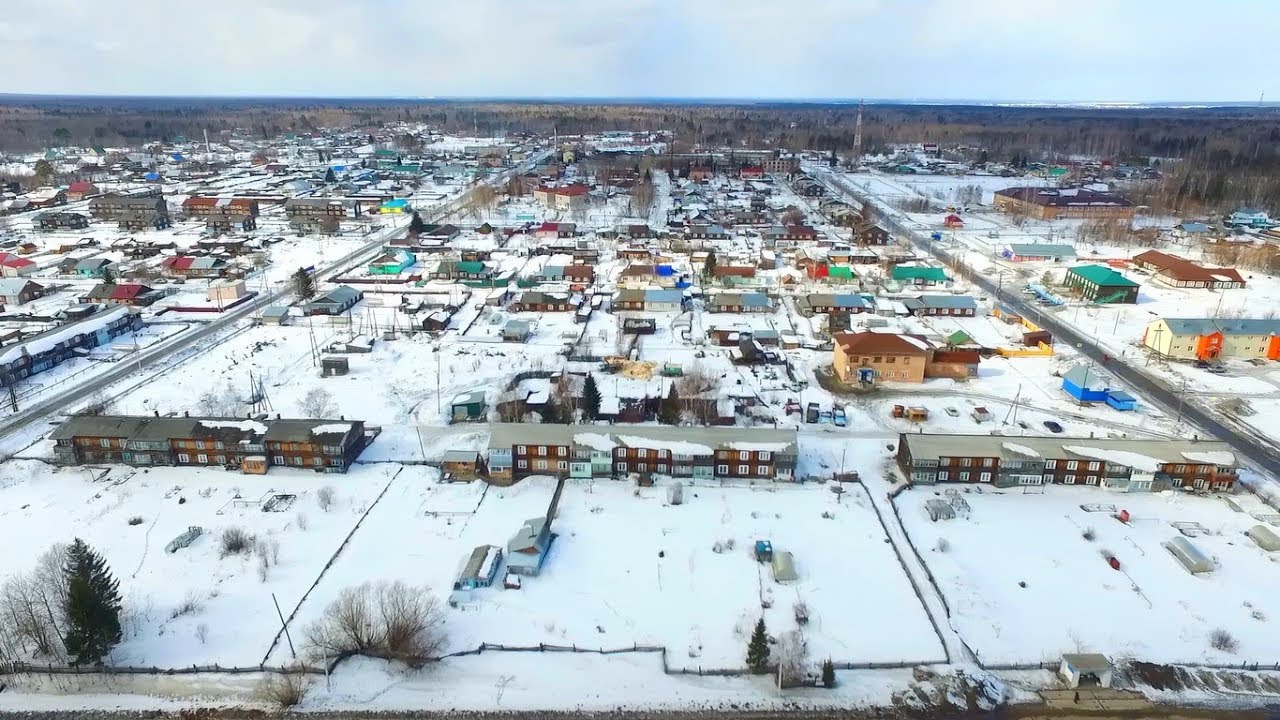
x=1214 y=338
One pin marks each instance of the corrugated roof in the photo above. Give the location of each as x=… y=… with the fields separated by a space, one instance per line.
x=1102 y=276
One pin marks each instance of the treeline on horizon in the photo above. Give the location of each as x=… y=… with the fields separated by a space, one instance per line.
x=1223 y=156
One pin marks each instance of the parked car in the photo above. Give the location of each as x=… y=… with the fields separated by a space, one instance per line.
x=1054 y=427
x=952 y=411
x=811 y=413
x=824 y=416
x=1203 y=365
x=838 y=417
x=1217 y=369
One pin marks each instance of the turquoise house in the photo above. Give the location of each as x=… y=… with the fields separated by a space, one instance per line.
x=392 y=263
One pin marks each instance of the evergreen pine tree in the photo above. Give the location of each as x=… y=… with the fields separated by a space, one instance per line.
x=828 y=674
x=669 y=409
x=107 y=275
x=709 y=267
x=758 y=649
x=329 y=176
x=590 y=398
x=416 y=225
x=92 y=605
x=303 y=286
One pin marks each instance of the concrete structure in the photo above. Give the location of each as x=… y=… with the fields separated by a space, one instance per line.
x=1086 y=670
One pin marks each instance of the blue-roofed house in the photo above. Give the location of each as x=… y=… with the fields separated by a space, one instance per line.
x=334 y=302
x=740 y=302
x=395 y=206
x=1039 y=252
x=954 y=305
x=1191 y=230
x=1092 y=385
x=1249 y=217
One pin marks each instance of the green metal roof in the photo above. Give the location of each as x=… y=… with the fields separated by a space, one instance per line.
x=470 y=267
x=919 y=272
x=1103 y=276
x=840 y=271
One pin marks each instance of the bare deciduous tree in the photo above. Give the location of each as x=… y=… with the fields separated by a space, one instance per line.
x=791 y=655
x=317 y=403
x=389 y=620
x=325 y=497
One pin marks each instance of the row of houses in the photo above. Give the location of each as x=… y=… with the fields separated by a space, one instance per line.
x=713 y=453
x=51 y=348
x=1119 y=464
x=249 y=445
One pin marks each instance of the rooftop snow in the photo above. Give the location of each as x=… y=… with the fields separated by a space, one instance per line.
x=1020 y=449
x=1213 y=457
x=332 y=429
x=252 y=426
x=1134 y=460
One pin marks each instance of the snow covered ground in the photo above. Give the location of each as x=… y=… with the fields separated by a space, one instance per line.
x=1025 y=584
x=629 y=568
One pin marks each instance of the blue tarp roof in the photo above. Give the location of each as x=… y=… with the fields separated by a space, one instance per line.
x=664 y=270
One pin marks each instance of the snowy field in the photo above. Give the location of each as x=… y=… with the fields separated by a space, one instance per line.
x=130 y=514
x=1024 y=583
x=627 y=567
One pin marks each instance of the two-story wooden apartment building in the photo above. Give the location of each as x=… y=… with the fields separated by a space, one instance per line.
x=119 y=207
x=40 y=352
x=519 y=450
x=1128 y=465
x=320 y=445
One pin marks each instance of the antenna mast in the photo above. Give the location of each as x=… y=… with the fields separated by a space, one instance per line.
x=857 y=137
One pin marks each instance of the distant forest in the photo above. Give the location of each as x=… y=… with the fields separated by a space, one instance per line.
x=1224 y=156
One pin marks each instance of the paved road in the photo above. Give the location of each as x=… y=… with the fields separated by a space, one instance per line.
x=170 y=348
x=1245 y=446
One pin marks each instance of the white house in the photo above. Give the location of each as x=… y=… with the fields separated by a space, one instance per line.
x=1249 y=217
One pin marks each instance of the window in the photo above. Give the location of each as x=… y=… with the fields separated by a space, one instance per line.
x=336 y=462
x=722 y=469
x=1094 y=465
x=521 y=449
x=1091 y=480
x=985 y=477
x=202 y=459
x=562 y=465
x=944 y=461
x=540 y=465
x=1072 y=464
x=1070 y=479
x=942 y=476
x=744 y=469
x=891 y=359
x=542 y=450
x=965 y=462
x=185 y=458
x=988 y=462
x=642 y=453
x=277 y=459
x=317 y=461
x=964 y=477
x=662 y=467
x=642 y=467
x=744 y=456
x=622 y=467
x=298 y=461
x=906 y=361
x=522 y=464
x=1050 y=464
x=199 y=444
x=877 y=359
x=762 y=470
x=764 y=457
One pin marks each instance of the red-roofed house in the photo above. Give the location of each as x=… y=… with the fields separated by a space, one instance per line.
x=751 y=172
x=15 y=265
x=81 y=190
x=569 y=197
x=953 y=221
x=555 y=230
x=121 y=294
x=1180 y=272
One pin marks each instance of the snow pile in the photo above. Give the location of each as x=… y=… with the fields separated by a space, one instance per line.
x=250 y=426
x=1137 y=461
x=1020 y=449
x=595 y=441
x=1212 y=457
x=331 y=429
x=677 y=447
x=759 y=446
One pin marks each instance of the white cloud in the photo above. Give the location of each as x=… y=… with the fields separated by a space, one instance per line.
x=977 y=49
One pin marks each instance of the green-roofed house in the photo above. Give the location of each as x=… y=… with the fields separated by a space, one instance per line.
x=958 y=338
x=919 y=275
x=1102 y=285
x=843 y=273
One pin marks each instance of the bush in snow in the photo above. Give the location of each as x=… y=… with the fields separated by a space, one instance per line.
x=1222 y=640
x=942 y=545
x=190 y=605
x=388 y=620
x=202 y=633
x=302 y=521
x=325 y=497
x=284 y=691
x=235 y=541
x=1088 y=534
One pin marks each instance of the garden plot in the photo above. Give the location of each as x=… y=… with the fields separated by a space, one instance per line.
x=129 y=515
x=1025 y=582
x=627 y=567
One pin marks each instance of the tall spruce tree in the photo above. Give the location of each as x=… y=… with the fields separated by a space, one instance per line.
x=669 y=408
x=828 y=674
x=416 y=225
x=92 y=605
x=758 y=649
x=709 y=266
x=303 y=285
x=590 y=398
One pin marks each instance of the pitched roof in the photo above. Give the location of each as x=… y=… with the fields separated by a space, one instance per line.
x=918 y=272
x=1183 y=269
x=1043 y=249
x=1066 y=197
x=1102 y=276
x=1226 y=326
x=866 y=343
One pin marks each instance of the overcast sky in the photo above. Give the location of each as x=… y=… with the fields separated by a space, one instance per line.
x=1053 y=50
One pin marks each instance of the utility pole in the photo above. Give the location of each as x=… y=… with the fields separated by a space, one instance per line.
x=284 y=626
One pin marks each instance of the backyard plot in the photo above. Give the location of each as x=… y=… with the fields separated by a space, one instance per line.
x=130 y=515
x=627 y=567
x=1027 y=575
